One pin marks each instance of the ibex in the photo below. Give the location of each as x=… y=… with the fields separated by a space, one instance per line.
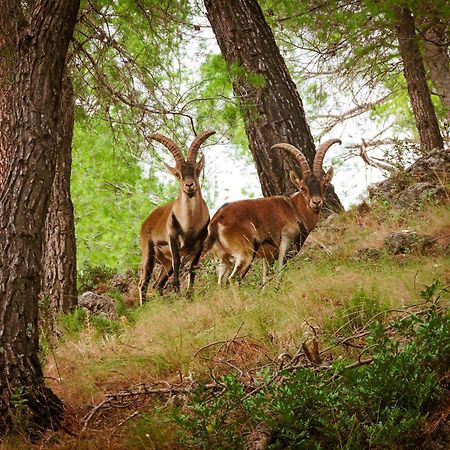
x=268 y=227
x=178 y=228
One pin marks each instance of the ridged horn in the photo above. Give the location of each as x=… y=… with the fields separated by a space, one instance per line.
x=297 y=154
x=170 y=145
x=320 y=154
x=196 y=143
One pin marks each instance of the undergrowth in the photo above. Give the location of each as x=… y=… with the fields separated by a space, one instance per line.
x=382 y=404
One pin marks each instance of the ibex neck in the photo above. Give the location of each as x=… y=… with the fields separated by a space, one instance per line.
x=306 y=214
x=187 y=209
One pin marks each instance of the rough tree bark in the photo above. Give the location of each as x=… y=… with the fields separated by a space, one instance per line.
x=37 y=35
x=59 y=251
x=6 y=82
x=272 y=108
x=414 y=71
x=436 y=39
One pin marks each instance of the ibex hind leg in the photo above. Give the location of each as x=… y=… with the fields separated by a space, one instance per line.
x=161 y=281
x=192 y=267
x=283 y=248
x=193 y=264
x=223 y=271
x=241 y=266
x=148 y=265
x=164 y=274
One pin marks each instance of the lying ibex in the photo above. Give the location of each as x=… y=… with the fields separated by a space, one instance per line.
x=268 y=227
x=180 y=227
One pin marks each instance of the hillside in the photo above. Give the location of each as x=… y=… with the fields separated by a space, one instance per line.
x=348 y=283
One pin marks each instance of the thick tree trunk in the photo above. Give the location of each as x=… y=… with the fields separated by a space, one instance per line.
x=437 y=61
x=37 y=38
x=272 y=108
x=6 y=82
x=59 y=261
x=414 y=71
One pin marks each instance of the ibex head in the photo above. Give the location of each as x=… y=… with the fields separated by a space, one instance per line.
x=313 y=183
x=187 y=171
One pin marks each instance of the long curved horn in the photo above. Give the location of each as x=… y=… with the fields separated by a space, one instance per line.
x=170 y=145
x=320 y=154
x=196 y=143
x=297 y=154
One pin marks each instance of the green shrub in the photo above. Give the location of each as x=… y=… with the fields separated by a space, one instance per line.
x=79 y=320
x=382 y=404
x=91 y=277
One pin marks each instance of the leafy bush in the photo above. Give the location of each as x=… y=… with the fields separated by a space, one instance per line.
x=91 y=277
x=79 y=320
x=381 y=404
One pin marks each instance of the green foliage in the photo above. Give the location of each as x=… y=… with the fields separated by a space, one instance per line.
x=19 y=412
x=214 y=422
x=72 y=324
x=151 y=430
x=111 y=197
x=91 y=277
x=382 y=404
x=219 y=107
x=352 y=45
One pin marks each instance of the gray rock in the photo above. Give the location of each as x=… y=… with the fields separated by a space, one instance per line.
x=122 y=281
x=407 y=241
x=421 y=182
x=100 y=305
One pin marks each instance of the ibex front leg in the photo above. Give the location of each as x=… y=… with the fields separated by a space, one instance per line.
x=196 y=258
x=174 y=250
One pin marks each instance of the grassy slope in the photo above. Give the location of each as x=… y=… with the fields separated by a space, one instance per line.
x=159 y=340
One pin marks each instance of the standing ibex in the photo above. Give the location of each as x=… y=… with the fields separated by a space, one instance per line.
x=267 y=227
x=180 y=227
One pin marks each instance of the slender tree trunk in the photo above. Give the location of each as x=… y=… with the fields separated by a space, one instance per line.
x=437 y=60
x=59 y=261
x=37 y=35
x=272 y=108
x=414 y=71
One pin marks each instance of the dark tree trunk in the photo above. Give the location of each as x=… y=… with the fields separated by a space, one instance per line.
x=437 y=60
x=414 y=71
x=37 y=39
x=6 y=82
x=272 y=108
x=59 y=261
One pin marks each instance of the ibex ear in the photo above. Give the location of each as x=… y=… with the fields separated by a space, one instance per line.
x=172 y=170
x=298 y=183
x=327 y=177
x=200 y=165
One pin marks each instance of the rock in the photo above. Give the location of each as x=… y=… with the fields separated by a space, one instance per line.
x=122 y=281
x=407 y=241
x=421 y=182
x=420 y=192
x=100 y=305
